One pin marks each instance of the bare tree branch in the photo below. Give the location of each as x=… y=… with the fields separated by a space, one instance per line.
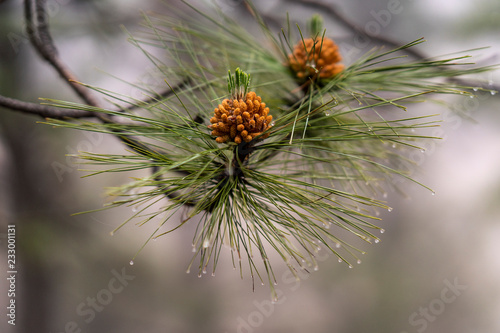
x=42 y=110
x=37 y=29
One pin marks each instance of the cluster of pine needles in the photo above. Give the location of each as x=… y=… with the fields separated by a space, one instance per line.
x=317 y=174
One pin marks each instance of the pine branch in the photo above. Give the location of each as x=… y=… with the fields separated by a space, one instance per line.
x=272 y=173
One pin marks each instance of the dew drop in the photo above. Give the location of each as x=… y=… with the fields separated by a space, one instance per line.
x=316 y=268
x=272 y=123
x=472 y=96
x=413 y=130
x=318 y=248
x=131 y=262
x=382 y=231
x=213 y=273
x=337 y=245
x=422 y=150
x=462 y=92
x=275 y=300
x=206 y=243
x=275 y=283
x=350 y=266
x=475 y=88
x=370 y=129
x=112 y=233
x=327 y=114
x=433 y=193
x=389 y=209
x=377 y=213
x=262 y=283
x=193 y=249
x=393 y=145
x=340 y=260
x=384 y=195
x=204 y=271
x=493 y=92
x=199 y=275
x=188 y=270
x=134 y=209
x=154 y=239
x=359 y=261
x=377 y=240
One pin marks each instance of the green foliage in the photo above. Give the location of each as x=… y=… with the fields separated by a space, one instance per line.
x=319 y=174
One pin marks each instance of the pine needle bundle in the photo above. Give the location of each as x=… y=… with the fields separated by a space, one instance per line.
x=286 y=153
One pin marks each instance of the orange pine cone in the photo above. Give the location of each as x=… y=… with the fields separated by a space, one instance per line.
x=313 y=57
x=241 y=120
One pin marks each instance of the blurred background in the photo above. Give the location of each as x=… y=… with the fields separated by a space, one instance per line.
x=436 y=269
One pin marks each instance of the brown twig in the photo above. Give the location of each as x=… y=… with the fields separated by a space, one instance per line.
x=42 y=110
x=37 y=29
